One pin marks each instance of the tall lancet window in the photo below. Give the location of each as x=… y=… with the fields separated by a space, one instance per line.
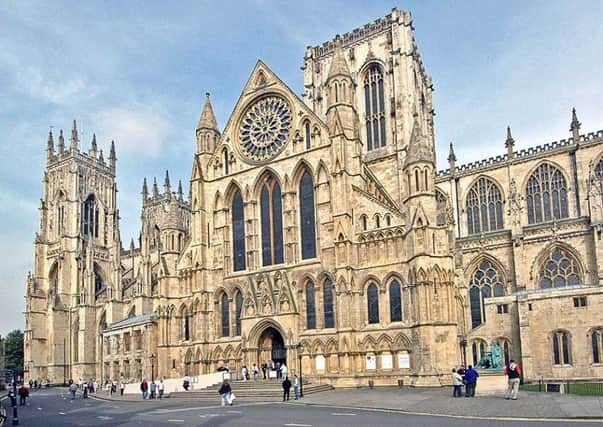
x=224 y=305
x=90 y=217
x=308 y=135
x=484 y=207
x=374 y=106
x=307 y=216
x=546 y=195
x=329 y=312
x=272 y=221
x=238 y=232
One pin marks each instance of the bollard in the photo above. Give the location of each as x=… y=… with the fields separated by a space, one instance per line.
x=371 y=383
x=400 y=383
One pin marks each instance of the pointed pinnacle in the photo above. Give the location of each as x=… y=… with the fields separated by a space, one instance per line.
x=61 y=141
x=339 y=65
x=451 y=155
x=155 y=188
x=509 y=141
x=575 y=125
x=180 y=187
x=101 y=159
x=166 y=183
x=94 y=146
x=74 y=136
x=145 y=189
x=208 y=118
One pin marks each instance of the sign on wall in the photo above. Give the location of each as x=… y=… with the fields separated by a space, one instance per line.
x=387 y=361
x=403 y=361
x=371 y=362
x=320 y=363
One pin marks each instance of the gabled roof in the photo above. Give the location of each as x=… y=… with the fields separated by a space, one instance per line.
x=132 y=321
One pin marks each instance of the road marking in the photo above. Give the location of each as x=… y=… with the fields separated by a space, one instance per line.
x=39 y=409
x=197 y=408
x=234 y=412
x=175 y=421
x=61 y=413
x=298 y=425
x=342 y=414
x=102 y=417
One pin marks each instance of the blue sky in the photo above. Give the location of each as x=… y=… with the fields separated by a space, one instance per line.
x=136 y=72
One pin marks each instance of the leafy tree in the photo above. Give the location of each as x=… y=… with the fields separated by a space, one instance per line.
x=13 y=350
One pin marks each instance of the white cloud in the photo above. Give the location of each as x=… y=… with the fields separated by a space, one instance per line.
x=137 y=129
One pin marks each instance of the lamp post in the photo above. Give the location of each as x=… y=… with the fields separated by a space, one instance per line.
x=300 y=348
x=152 y=357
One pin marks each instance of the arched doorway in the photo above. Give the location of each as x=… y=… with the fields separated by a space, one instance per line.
x=271 y=346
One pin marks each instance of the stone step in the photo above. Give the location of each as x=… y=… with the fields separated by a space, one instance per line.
x=249 y=393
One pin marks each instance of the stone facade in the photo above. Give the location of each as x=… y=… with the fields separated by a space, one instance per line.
x=316 y=232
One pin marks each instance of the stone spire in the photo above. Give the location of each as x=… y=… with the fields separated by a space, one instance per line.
x=132 y=246
x=180 y=195
x=167 y=188
x=101 y=159
x=575 y=127
x=145 y=190
x=112 y=157
x=452 y=160
x=509 y=143
x=50 y=148
x=339 y=66
x=418 y=149
x=61 y=142
x=155 y=188
x=94 y=148
x=74 y=137
x=207 y=119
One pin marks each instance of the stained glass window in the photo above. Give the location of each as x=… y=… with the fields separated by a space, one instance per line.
x=238 y=232
x=484 y=207
x=559 y=269
x=310 y=306
x=225 y=315
x=308 y=135
x=238 y=308
x=374 y=104
x=372 y=297
x=441 y=208
x=329 y=312
x=546 y=195
x=307 y=216
x=90 y=217
x=272 y=222
x=561 y=348
x=395 y=302
x=485 y=280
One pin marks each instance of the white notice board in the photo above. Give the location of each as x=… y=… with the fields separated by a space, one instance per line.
x=403 y=361
x=371 y=362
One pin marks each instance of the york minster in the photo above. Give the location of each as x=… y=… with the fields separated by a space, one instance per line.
x=317 y=231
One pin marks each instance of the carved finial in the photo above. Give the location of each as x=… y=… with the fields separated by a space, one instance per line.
x=61 y=142
x=180 y=195
x=167 y=188
x=50 y=147
x=132 y=244
x=155 y=188
x=74 y=136
x=101 y=159
x=575 y=127
x=94 y=146
x=112 y=157
x=509 y=143
x=145 y=189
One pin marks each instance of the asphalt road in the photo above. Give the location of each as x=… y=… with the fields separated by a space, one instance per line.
x=54 y=408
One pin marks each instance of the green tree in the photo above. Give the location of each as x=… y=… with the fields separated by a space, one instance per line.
x=13 y=350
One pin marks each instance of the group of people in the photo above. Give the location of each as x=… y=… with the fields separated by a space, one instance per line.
x=228 y=396
x=153 y=390
x=468 y=378
x=280 y=369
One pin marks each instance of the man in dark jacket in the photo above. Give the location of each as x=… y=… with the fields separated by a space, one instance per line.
x=470 y=381
x=286 y=388
x=226 y=393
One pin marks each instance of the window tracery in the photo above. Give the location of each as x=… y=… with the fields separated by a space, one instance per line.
x=374 y=102
x=484 y=207
x=486 y=281
x=559 y=269
x=546 y=195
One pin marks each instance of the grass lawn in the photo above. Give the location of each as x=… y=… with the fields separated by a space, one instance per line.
x=585 y=389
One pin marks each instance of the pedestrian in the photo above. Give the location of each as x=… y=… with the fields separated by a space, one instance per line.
x=284 y=370
x=72 y=389
x=278 y=370
x=186 y=383
x=23 y=394
x=513 y=373
x=161 y=388
x=296 y=386
x=244 y=372
x=153 y=389
x=286 y=388
x=457 y=383
x=255 y=372
x=264 y=368
x=113 y=387
x=122 y=388
x=31 y=383
x=226 y=393
x=471 y=376
x=144 y=388
x=94 y=386
x=85 y=390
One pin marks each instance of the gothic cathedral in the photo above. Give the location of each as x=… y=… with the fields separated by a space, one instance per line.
x=317 y=232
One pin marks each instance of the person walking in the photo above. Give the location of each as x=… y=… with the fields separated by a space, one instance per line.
x=226 y=393
x=244 y=373
x=72 y=390
x=471 y=376
x=153 y=390
x=122 y=387
x=284 y=370
x=457 y=383
x=161 y=388
x=513 y=373
x=296 y=386
x=278 y=370
x=23 y=394
x=254 y=371
x=286 y=388
x=144 y=388
x=85 y=390
x=264 y=368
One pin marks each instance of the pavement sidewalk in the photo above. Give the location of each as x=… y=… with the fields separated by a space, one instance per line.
x=439 y=401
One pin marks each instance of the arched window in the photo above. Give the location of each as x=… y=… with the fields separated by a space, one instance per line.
x=307 y=216
x=441 y=208
x=310 y=306
x=388 y=220
x=395 y=302
x=372 y=299
x=561 y=348
x=226 y=163
x=90 y=217
x=546 y=195
x=478 y=351
x=272 y=221
x=485 y=280
x=596 y=343
x=377 y=221
x=329 y=312
x=186 y=323
x=596 y=180
x=559 y=269
x=364 y=222
x=374 y=105
x=238 y=232
x=308 y=135
x=484 y=207
x=239 y=309
x=99 y=283
x=225 y=315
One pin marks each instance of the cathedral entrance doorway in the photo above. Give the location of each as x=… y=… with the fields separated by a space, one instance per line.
x=271 y=346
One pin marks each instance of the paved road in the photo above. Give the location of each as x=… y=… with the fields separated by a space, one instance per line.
x=54 y=408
